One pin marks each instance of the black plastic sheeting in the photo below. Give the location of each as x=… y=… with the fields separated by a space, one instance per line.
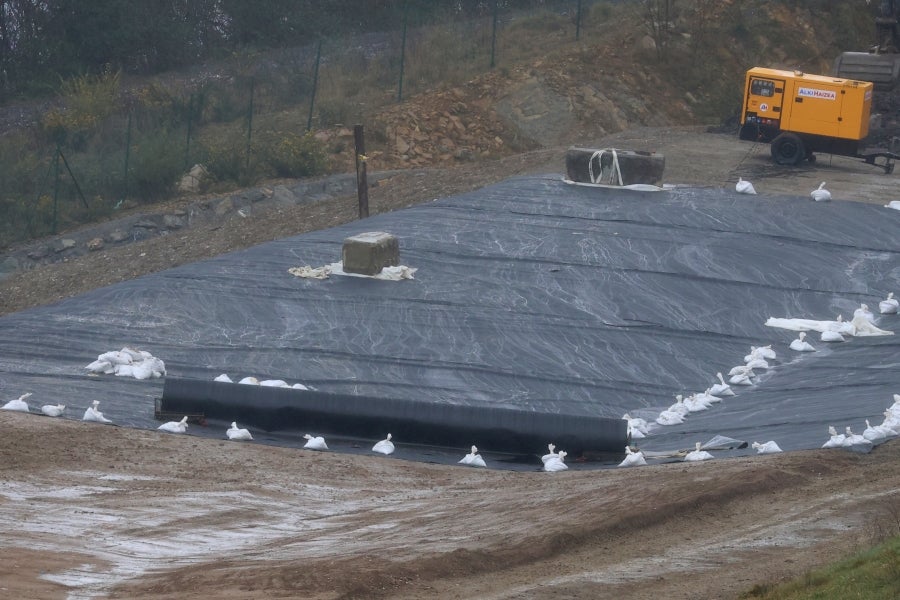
x=510 y=431
x=531 y=295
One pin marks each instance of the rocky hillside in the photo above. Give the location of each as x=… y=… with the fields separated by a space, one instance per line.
x=621 y=82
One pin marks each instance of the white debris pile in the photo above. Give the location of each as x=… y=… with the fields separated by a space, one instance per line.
x=309 y=272
x=389 y=273
x=126 y=362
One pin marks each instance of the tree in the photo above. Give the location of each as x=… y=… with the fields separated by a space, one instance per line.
x=25 y=49
x=141 y=36
x=658 y=16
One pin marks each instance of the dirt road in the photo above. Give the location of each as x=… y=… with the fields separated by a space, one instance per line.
x=91 y=510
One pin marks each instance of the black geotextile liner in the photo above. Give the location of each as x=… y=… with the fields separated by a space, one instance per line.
x=508 y=430
x=531 y=295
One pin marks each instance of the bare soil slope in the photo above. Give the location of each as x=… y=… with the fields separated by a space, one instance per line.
x=93 y=509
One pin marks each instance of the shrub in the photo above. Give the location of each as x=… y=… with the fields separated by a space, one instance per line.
x=154 y=169
x=87 y=101
x=229 y=158
x=296 y=155
x=224 y=163
x=224 y=102
x=22 y=173
x=13 y=226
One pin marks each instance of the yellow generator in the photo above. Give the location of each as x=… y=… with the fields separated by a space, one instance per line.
x=799 y=114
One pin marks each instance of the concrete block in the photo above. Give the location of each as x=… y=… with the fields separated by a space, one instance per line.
x=368 y=253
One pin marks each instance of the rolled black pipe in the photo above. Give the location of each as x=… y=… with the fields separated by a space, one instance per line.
x=452 y=425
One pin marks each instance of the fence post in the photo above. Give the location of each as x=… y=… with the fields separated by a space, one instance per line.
x=187 y=142
x=312 y=99
x=127 y=158
x=74 y=179
x=403 y=51
x=55 y=186
x=250 y=123
x=362 y=187
x=494 y=36
x=578 y=21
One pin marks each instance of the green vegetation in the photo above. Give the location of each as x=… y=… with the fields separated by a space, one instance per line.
x=88 y=101
x=870 y=575
x=293 y=155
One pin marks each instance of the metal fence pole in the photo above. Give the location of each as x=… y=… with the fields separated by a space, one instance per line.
x=578 y=21
x=55 y=186
x=250 y=123
x=127 y=158
x=494 y=36
x=403 y=51
x=74 y=180
x=187 y=141
x=312 y=99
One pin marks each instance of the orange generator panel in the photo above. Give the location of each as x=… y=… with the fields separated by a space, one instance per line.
x=799 y=114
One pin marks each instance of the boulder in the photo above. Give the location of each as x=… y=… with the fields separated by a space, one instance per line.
x=192 y=181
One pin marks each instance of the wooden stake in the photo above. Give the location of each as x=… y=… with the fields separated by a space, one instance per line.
x=362 y=187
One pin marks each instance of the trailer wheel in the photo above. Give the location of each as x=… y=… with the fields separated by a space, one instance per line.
x=787 y=149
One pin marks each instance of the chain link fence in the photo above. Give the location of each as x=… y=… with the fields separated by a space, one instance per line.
x=108 y=143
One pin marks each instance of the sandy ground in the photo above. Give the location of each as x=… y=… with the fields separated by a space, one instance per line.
x=91 y=510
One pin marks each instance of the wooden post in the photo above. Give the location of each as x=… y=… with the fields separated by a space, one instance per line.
x=362 y=187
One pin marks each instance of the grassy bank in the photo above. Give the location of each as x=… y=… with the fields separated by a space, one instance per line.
x=872 y=574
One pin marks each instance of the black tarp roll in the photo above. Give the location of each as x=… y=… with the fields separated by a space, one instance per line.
x=502 y=429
